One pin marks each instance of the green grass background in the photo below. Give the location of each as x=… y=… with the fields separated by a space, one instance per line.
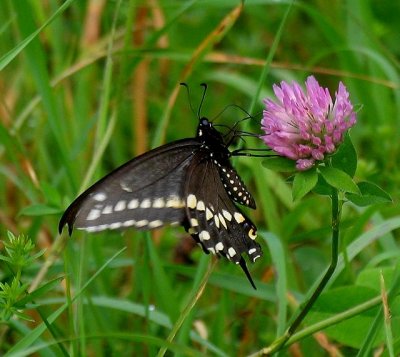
x=87 y=85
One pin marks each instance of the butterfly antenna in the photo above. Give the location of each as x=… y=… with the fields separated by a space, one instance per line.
x=233 y=106
x=243 y=265
x=204 y=85
x=189 y=96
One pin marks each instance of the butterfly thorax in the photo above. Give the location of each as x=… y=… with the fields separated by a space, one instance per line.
x=212 y=141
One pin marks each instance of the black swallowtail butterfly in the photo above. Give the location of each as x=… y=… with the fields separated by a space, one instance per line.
x=190 y=182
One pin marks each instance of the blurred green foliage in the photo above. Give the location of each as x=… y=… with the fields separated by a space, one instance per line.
x=93 y=88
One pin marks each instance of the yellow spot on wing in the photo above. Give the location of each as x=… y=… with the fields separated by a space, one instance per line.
x=191 y=201
x=174 y=202
x=200 y=206
x=238 y=217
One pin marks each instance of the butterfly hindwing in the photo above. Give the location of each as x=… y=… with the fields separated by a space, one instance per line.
x=213 y=219
x=146 y=192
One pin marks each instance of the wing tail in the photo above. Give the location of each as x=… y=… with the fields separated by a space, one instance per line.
x=243 y=265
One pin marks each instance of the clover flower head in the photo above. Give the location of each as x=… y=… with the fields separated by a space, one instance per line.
x=305 y=126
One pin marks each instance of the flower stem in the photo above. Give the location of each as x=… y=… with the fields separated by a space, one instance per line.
x=281 y=341
x=331 y=269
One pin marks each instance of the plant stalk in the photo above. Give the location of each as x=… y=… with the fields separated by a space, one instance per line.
x=281 y=341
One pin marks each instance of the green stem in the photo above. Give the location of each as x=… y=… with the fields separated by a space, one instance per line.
x=331 y=269
x=281 y=341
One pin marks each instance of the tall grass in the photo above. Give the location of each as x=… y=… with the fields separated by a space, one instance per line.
x=87 y=85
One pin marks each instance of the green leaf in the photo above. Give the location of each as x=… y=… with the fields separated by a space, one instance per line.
x=6 y=259
x=279 y=164
x=38 y=292
x=51 y=194
x=322 y=187
x=345 y=158
x=349 y=332
x=10 y=55
x=371 y=277
x=39 y=210
x=276 y=248
x=23 y=316
x=303 y=183
x=339 y=179
x=371 y=194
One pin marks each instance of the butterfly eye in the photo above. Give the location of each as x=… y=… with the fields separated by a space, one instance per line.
x=205 y=122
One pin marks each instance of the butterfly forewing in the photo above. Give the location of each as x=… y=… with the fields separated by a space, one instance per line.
x=147 y=192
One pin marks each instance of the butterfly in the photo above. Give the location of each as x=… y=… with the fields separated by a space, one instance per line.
x=188 y=182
